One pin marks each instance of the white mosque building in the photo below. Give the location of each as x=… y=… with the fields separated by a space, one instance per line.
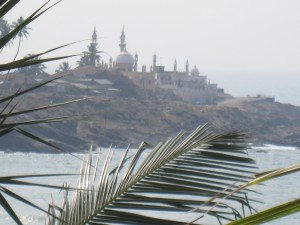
x=188 y=84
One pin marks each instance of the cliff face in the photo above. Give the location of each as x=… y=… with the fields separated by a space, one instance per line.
x=124 y=121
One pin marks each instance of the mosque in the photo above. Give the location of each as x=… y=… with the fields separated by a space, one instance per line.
x=189 y=85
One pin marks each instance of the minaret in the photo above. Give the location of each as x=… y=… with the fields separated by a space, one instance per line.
x=94 y=36
x=187 y=67
x=154 y=63
x=135 y=62
x=175 y=65
x=122 y=43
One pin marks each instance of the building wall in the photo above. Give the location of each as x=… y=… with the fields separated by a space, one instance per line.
x=194 y=89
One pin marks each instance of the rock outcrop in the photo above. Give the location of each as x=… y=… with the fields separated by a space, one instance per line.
x=124 y=121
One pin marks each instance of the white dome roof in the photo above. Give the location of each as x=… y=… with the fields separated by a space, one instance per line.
x=125 y=58
x=195 y=71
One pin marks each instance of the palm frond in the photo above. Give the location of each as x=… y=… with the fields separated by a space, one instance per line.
x=16 y=196
x=273 y=212
x=175 y=176
x=270 y=214
x=6 y=6
x=9 y=210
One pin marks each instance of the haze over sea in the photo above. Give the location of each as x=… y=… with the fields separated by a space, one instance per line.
x=283 y=86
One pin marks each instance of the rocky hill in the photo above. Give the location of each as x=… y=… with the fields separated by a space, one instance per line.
x=130 y=120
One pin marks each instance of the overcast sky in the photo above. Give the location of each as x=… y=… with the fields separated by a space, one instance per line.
x=225 y=35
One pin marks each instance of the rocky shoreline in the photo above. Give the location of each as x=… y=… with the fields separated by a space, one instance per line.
x=122 y=121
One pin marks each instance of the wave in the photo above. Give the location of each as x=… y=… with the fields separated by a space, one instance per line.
x=270 y=147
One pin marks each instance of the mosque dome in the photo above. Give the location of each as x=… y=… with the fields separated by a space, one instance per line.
x=125 y=58
x=195 y=71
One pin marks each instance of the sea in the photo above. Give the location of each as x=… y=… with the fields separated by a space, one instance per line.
x=284 y=87
x=268 y=157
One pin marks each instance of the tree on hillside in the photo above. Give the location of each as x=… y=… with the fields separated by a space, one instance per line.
x=21 y=34
x=34 y=70
x=90 y=57
x=64 y=67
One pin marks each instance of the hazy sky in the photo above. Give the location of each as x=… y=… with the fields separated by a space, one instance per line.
x=248 y=35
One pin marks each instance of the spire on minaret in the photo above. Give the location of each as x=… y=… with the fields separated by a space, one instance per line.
x=187 y=67
x=94 y=36
x=154 y=63
x=135 y=62
x=175 y=65
x=122 y=43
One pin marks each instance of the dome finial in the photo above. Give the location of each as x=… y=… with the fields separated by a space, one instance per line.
x=124 y=61
x=122 y=39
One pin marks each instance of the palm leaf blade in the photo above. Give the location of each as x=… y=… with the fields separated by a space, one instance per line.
x=270 y=214
x=180 y=167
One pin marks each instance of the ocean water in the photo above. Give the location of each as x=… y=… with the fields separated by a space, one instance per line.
x=268 y=157
x=283 y=86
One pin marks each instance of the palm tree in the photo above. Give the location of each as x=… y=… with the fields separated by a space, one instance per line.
x=90 y=57
x=83 y=61
x=64 y=67
x=21 y=34
x=32 y=71
x=202 y=165
x=5 y=28
x=94 y=58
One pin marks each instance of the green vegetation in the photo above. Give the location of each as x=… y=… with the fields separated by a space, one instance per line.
x=23 y=32
x=184 y=180
x=9 y=112
x=90 y=57
x=64 y=67
x=34 y=70
x=212 y=169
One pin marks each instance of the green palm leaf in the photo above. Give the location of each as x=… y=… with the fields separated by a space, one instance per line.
x=175 y=176
x=270 y=214
x=6 y=6
x=276 y=211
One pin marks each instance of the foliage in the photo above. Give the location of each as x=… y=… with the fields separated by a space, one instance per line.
x=8 y=104
x=122 y=83
x=175 y=176
x=203 y=173
x=32 y=71
x=64 y=67
x=23 y=32
x=5 y=28
x=274 y=212
x=205 y=166
x=90 y=57
x=270 y=214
